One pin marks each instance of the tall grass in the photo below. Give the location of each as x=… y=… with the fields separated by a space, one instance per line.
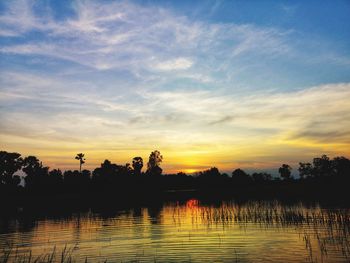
x=327 y=227
x=14 y=256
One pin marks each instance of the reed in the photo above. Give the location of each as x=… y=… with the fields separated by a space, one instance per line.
x=320 y=228
x=15 y=256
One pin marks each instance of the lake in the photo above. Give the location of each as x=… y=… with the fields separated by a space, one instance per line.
x=187 y=231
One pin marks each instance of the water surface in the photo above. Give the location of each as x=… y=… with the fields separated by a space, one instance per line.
x=191 y=231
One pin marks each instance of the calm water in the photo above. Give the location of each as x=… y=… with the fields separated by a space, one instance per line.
x=189 y=231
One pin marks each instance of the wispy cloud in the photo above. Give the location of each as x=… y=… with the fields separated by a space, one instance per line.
x=127 y=36
x=176 y=64
x=129 y=77
x=317 y=117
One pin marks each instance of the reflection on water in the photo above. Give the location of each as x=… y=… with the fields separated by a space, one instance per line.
x=191 y=231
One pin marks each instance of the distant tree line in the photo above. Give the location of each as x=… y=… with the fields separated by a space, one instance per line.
x=110 y=177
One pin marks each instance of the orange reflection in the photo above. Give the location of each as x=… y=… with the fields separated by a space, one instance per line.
x=192 y=203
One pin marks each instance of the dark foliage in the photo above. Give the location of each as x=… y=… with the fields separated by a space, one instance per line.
x=240 y=177
x=323 y=173
x=36 y=178
x=137 y=164
x=285 y=171
x=261 y=177
x=9 y=164
x=153 y=165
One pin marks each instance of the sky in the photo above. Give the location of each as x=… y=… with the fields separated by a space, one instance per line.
x=231 y=84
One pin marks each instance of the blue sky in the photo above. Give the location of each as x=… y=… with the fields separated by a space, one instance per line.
x=246 y=84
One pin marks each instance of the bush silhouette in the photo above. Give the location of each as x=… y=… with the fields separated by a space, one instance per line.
x=120 y=179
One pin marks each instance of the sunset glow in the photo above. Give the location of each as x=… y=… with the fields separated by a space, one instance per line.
x=202 y=83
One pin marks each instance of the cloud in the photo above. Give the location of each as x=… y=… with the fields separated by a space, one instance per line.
x=222 y=120
x=175 y=64
x=115 y=76
x=326 y=128
x=325 y=136
x=287 y=112
x=123 y=35
x=56 y=113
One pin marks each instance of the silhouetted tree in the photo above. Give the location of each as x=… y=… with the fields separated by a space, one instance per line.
x=137 y=164
x=285 y=171
x=36 y=173
x=55 y=180
x=71 y=180
x=85 y=178
x=212 y=172
x=322 y=167
x=110 y=176
x=109 y=173
x=76 y=181
x=56 y=176
x=240 y=177
x=325 y=173
x=125 y=170
x=106 y=170
x=341 y=167
x=238 y=173
x=154 y=161
x=86 y=174
x=9 y=164
x=80 y=157
x=212 y=179
x=305 y=170
x=261 y=177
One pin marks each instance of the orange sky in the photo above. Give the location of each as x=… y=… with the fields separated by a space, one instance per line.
x=203 y=91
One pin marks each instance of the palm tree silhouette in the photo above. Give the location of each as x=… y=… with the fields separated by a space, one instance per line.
x=80 y=157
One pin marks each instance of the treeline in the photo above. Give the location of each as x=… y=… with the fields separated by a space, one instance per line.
x=114 y=178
